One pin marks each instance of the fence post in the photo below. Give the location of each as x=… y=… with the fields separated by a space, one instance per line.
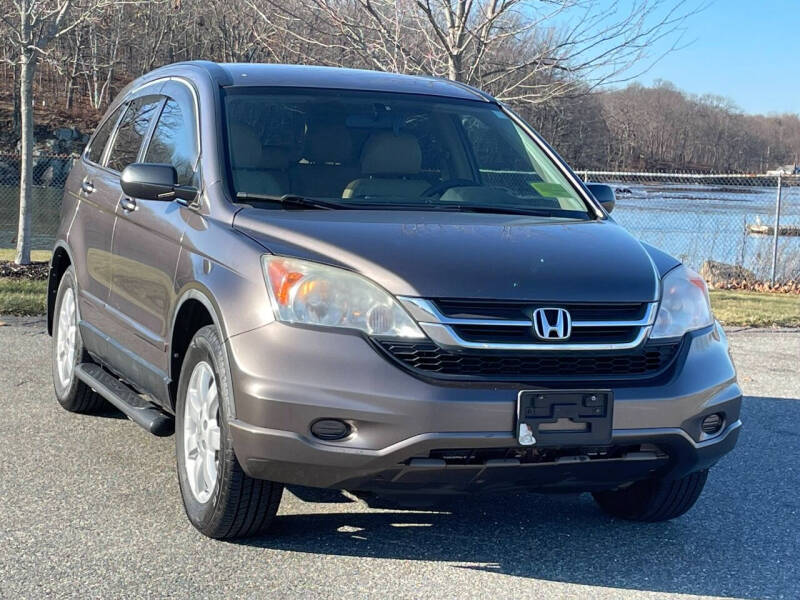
x=776 y=233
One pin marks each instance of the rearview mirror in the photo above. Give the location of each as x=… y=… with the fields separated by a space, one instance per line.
x=604 y=194
x=150 y=181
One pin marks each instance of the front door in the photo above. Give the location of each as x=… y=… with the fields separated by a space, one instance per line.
x=147 y=243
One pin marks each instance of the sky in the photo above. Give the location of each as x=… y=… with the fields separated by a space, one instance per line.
x=746 y=50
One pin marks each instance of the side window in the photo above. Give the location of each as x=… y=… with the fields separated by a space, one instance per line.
x=174 y=142
x=434 y=155
x=492 y=152
x=95 y=151
x=131 y=131
x=500 y=156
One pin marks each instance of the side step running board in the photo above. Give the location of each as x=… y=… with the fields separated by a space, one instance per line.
x=137 y=409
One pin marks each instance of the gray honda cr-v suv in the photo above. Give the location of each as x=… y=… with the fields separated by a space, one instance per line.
x=378 y=283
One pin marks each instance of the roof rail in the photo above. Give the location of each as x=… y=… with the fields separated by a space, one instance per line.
x=215 y=71
x=464 y=86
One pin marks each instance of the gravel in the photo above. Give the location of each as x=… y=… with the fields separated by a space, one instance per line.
x=89 y=507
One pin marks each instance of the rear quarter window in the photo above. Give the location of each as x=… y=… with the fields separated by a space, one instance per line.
x=94 y=152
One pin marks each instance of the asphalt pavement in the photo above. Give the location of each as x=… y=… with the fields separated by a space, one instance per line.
x=89 y=507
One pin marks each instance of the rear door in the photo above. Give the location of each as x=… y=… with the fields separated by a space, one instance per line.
x=96 y=192
x=147 y=244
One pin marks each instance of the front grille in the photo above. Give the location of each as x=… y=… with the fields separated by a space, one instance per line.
x=493 y=330
x=528 y=455
x=646 y=361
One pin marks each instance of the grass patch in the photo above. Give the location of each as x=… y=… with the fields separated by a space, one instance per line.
x=731 y=307
x=22 y=296
x=36 y=255
x=754 y=309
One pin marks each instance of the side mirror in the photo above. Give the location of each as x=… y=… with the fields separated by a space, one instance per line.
x=150 y=181
x=604 y=194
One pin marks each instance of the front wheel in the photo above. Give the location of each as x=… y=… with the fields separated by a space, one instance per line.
x=220 y=499
x=654 y=500
x=68 y=351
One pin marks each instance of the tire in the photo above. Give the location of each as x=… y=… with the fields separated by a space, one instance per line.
x=654 y=500
x=68 y=351
x=222 y=502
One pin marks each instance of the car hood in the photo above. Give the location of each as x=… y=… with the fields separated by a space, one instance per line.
x=466 y=255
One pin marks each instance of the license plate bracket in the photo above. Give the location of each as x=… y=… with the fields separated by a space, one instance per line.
x=564 y=417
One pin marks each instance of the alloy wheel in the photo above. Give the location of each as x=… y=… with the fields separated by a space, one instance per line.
x=65 y=338
x=201 y=432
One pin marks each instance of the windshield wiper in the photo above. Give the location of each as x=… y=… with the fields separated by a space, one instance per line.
x=297 y=201
x=290 y=200
x=508 y=210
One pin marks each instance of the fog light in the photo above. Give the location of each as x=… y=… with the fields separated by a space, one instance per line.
x=712 y=424
x=330 y=429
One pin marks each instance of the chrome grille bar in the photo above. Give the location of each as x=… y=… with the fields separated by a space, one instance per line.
x=440 y=329
x=443 y=335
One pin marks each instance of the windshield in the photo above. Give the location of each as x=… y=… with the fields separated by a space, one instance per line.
x=379 y=150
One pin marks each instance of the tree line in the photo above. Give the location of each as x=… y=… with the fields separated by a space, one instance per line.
x=663 y=128
x=560 y=63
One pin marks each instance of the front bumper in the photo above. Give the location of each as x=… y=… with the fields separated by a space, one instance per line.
x=286 y=377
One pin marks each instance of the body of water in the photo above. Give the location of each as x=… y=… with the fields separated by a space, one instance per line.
x=708 y=222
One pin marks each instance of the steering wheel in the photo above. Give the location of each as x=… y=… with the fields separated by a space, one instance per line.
x=442 y=187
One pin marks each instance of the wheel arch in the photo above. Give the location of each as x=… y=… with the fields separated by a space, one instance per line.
x=59 y=263
x=194 y=309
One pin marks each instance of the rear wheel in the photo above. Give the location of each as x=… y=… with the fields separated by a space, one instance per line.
x=654 y=499
x=220 y=499
x=68 y=351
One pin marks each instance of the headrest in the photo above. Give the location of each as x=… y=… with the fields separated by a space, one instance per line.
x=245 y=147
x=274 y=158
x=329 y=144
x=385 y=153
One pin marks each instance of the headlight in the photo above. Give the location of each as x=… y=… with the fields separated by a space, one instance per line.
x=684 y=304
x=314 y=294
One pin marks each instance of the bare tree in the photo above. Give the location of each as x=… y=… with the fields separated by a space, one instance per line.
x=32 y=26
x=523 y=51
x=549 y=58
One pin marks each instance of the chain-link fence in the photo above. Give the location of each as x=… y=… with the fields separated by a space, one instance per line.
x=49 y=176
x=722 y=221
x=705 y=219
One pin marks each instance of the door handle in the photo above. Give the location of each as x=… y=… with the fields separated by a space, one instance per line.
x=87 y=186
x=127 y=204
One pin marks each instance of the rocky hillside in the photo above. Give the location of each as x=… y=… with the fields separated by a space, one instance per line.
x=58 y=137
